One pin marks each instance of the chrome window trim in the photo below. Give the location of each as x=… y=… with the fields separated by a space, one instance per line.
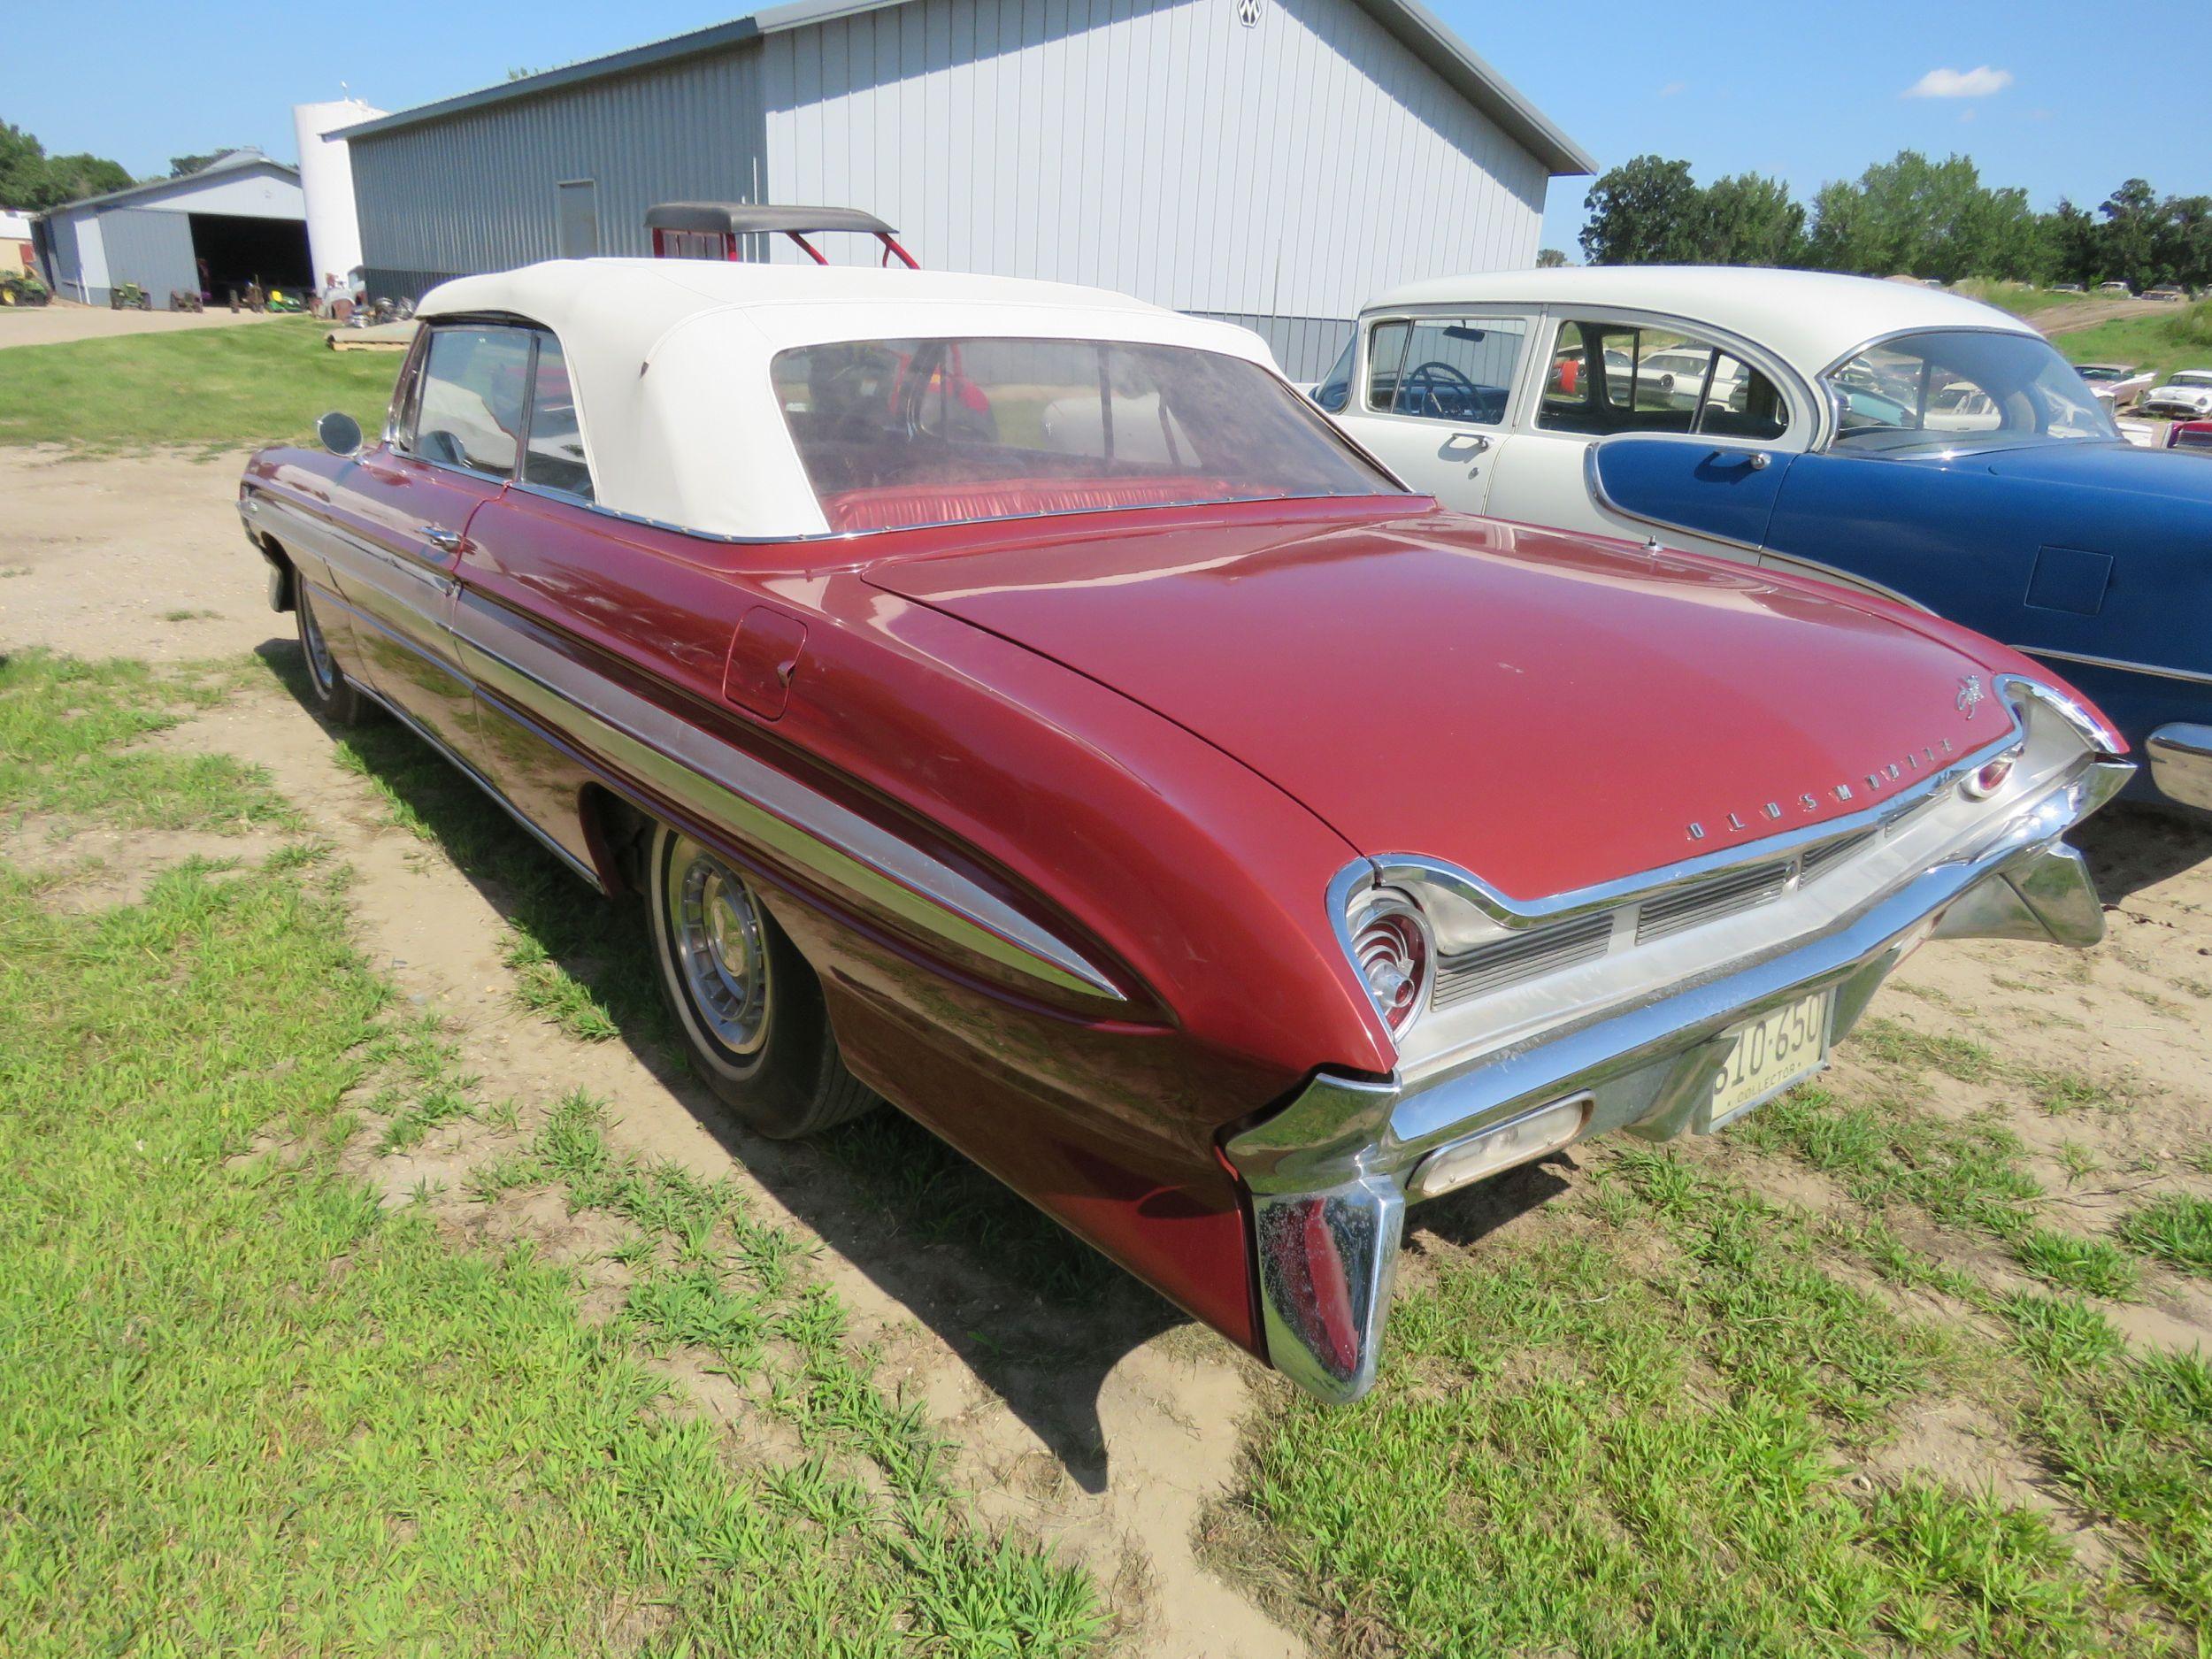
x=1827 y=445
x=1804 y=403
x=1533 y=315
x=429 y=331
x=2188 y=674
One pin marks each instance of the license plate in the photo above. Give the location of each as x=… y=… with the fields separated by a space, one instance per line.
x=1768 y=1055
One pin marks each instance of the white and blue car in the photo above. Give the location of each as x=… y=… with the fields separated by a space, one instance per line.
x=1904 y=441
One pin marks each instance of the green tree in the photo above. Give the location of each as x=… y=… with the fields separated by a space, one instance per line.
x=1642 y=212
x=2128 y=237
x=185 y=167
x=1549 y=258
x=1750 y=220
x=31 y=178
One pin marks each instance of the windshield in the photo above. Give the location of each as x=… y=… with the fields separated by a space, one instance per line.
x=1931 y=390
x=914 y=432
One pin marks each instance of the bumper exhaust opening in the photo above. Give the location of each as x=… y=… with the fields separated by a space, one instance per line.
x=1517 y=1140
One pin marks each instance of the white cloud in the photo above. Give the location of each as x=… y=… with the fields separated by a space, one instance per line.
x=1959 y=83
x=1672 y=87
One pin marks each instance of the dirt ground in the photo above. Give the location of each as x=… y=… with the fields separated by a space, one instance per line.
x=1117 y=1461
x=2090 y=309
x=61 y=322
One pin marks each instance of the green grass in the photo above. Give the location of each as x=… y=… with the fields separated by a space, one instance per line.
x=2179 y=337
x=1584 y=1445
x=2176 y=1229
x=2022 y=299
x=1629 y=1429
x=243 y=1408
x=69 y=738
x=584 y=965
x=210 y=388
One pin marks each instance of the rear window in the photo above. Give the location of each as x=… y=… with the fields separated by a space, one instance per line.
x=914 y=432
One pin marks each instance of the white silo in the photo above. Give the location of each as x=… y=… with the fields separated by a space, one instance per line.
x=334 y=231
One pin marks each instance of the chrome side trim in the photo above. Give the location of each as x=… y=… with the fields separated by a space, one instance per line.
x=1510 y=912
x=1843 y=578
x=2046 y=652
x=723 y=784
x=1595 y=484
x=477 y=777
x=2181 y=763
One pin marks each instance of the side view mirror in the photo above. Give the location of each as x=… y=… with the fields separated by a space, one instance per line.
x=340 y=433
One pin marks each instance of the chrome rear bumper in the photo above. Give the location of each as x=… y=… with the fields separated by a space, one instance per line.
x=2181 y=764
x=1330 y=1173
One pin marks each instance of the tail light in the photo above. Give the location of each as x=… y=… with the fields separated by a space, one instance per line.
x=1985 y=780
x=1395 y=959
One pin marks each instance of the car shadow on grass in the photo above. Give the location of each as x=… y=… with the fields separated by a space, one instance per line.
x=1036 y=1315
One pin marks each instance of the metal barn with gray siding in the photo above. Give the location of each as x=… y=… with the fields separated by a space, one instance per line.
x=1273 y=162
x=240 y=218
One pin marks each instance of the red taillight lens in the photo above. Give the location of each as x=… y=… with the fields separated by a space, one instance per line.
x=1985 y=780
x=1392 y=950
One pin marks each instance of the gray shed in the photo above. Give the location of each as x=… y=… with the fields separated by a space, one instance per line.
x=1273 y=162
x=239 y=219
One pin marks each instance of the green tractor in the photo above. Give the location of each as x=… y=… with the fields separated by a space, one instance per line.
x=129 y=296
x=23 y=288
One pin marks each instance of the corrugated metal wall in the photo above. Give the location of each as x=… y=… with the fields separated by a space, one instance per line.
x=1304 y=345
x=150 y=247
x=1287 y=170
x=479 y=191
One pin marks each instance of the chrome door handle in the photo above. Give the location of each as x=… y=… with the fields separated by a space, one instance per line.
x=445 y=540
x=1465 y=445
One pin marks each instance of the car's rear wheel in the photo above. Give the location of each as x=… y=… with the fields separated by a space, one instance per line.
x=336 y=698
x=749 y=1006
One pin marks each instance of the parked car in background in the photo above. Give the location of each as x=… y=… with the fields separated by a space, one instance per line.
x=2168 y=293
x=2114 y=383
x=2066 y=287
x=2120 y=288
x=1912 y=444
x=1016 y=700
x=2187 y=396
x=2190 y=437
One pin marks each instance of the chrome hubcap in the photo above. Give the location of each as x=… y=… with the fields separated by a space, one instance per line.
x=319 y=663
x=720 y=951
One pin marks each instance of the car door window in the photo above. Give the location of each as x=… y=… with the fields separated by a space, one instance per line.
x=554 y=456
x=1454 y=369
x=1618 y=377
x=469 y=407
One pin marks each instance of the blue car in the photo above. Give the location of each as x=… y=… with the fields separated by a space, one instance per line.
x=1909 y=442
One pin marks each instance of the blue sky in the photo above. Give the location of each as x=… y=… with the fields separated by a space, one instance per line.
x=1809 y=93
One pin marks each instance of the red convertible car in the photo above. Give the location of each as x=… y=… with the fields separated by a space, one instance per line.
x=1016 y=701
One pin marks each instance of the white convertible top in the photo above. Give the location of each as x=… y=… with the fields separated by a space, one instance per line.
x=1810 y=317
x=670 y=363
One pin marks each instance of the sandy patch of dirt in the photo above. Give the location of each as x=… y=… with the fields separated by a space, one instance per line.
x=97 y=869
x=60 y=322
x=1114 y=1436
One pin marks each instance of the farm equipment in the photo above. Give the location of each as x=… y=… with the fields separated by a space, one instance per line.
x=129 y=296
x=187 y=300
x=23 y=288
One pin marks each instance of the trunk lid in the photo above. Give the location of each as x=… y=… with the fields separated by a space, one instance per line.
x=1546 y=710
